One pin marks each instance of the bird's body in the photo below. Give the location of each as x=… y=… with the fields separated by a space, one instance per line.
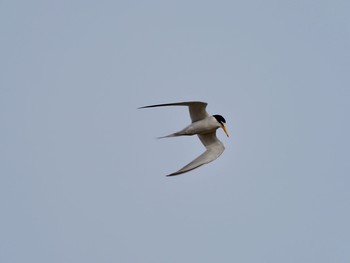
x=205 y=127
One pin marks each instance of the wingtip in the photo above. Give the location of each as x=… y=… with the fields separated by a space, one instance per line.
x=170 y=175
x=144 y=107
x=148 y=106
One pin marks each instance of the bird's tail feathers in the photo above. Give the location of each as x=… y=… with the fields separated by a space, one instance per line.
x=170 y=135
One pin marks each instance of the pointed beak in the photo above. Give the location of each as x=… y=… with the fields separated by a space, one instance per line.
x=224 y=128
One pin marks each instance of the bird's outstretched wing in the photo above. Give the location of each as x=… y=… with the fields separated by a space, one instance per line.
x=214 y=149
x=196 y=108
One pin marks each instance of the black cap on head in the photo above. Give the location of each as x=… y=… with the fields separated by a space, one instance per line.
x=219 y=118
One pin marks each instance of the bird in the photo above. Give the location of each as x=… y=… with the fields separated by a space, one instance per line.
x=204 y=126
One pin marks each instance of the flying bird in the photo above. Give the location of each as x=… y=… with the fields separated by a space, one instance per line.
x=204 y=126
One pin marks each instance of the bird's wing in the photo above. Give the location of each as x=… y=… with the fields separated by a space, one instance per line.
x=196 y=108
x=214 y=149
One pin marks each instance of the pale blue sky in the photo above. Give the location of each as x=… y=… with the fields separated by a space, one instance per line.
x=83 y=177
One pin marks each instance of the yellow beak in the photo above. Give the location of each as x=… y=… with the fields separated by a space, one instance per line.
x=224 y=128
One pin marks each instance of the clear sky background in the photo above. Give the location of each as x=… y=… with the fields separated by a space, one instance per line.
x=83 y=177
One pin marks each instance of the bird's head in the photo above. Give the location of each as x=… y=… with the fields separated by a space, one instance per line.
x=221 y=120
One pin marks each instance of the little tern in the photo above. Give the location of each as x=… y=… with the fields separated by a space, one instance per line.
x=204 y=126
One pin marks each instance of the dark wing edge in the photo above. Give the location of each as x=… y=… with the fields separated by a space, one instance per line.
x=214 y=149
x=197 y=109
x=190 y=166
x=185 y=103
